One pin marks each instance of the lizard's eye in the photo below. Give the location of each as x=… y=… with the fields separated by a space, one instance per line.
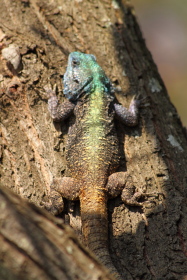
x=75 y=62
x=76 y=81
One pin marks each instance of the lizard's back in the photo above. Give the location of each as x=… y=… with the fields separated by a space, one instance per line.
x=92 y=147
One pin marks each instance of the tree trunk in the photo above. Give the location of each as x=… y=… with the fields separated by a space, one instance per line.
x=145 y=243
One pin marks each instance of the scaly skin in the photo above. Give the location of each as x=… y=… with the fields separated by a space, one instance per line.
x=92 y=149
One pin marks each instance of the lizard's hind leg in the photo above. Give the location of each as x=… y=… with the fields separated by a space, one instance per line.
x=119 y=183
x=66 y=187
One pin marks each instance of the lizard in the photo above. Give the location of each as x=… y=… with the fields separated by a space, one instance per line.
x=92 y=149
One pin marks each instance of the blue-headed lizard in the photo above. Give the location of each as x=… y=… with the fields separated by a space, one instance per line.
x=92 y=149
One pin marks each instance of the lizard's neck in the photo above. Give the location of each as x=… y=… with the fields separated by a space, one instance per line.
x=96 y=108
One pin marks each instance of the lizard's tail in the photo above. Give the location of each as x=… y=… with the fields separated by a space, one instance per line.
x=95 y=226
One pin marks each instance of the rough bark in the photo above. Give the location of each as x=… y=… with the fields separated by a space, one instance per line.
x=145 y=243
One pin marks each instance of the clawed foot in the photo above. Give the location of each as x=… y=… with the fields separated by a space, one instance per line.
x=56 y=205
x=143 y=101
x=53 y=209
x=49 y=91
x=131 y=197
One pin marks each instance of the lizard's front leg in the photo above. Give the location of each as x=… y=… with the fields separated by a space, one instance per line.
x=128 y=116
x=58 y=112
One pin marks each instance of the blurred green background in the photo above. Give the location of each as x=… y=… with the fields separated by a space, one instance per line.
x=164 y=27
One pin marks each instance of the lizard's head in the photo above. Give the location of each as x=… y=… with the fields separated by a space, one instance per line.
x=83 y=75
